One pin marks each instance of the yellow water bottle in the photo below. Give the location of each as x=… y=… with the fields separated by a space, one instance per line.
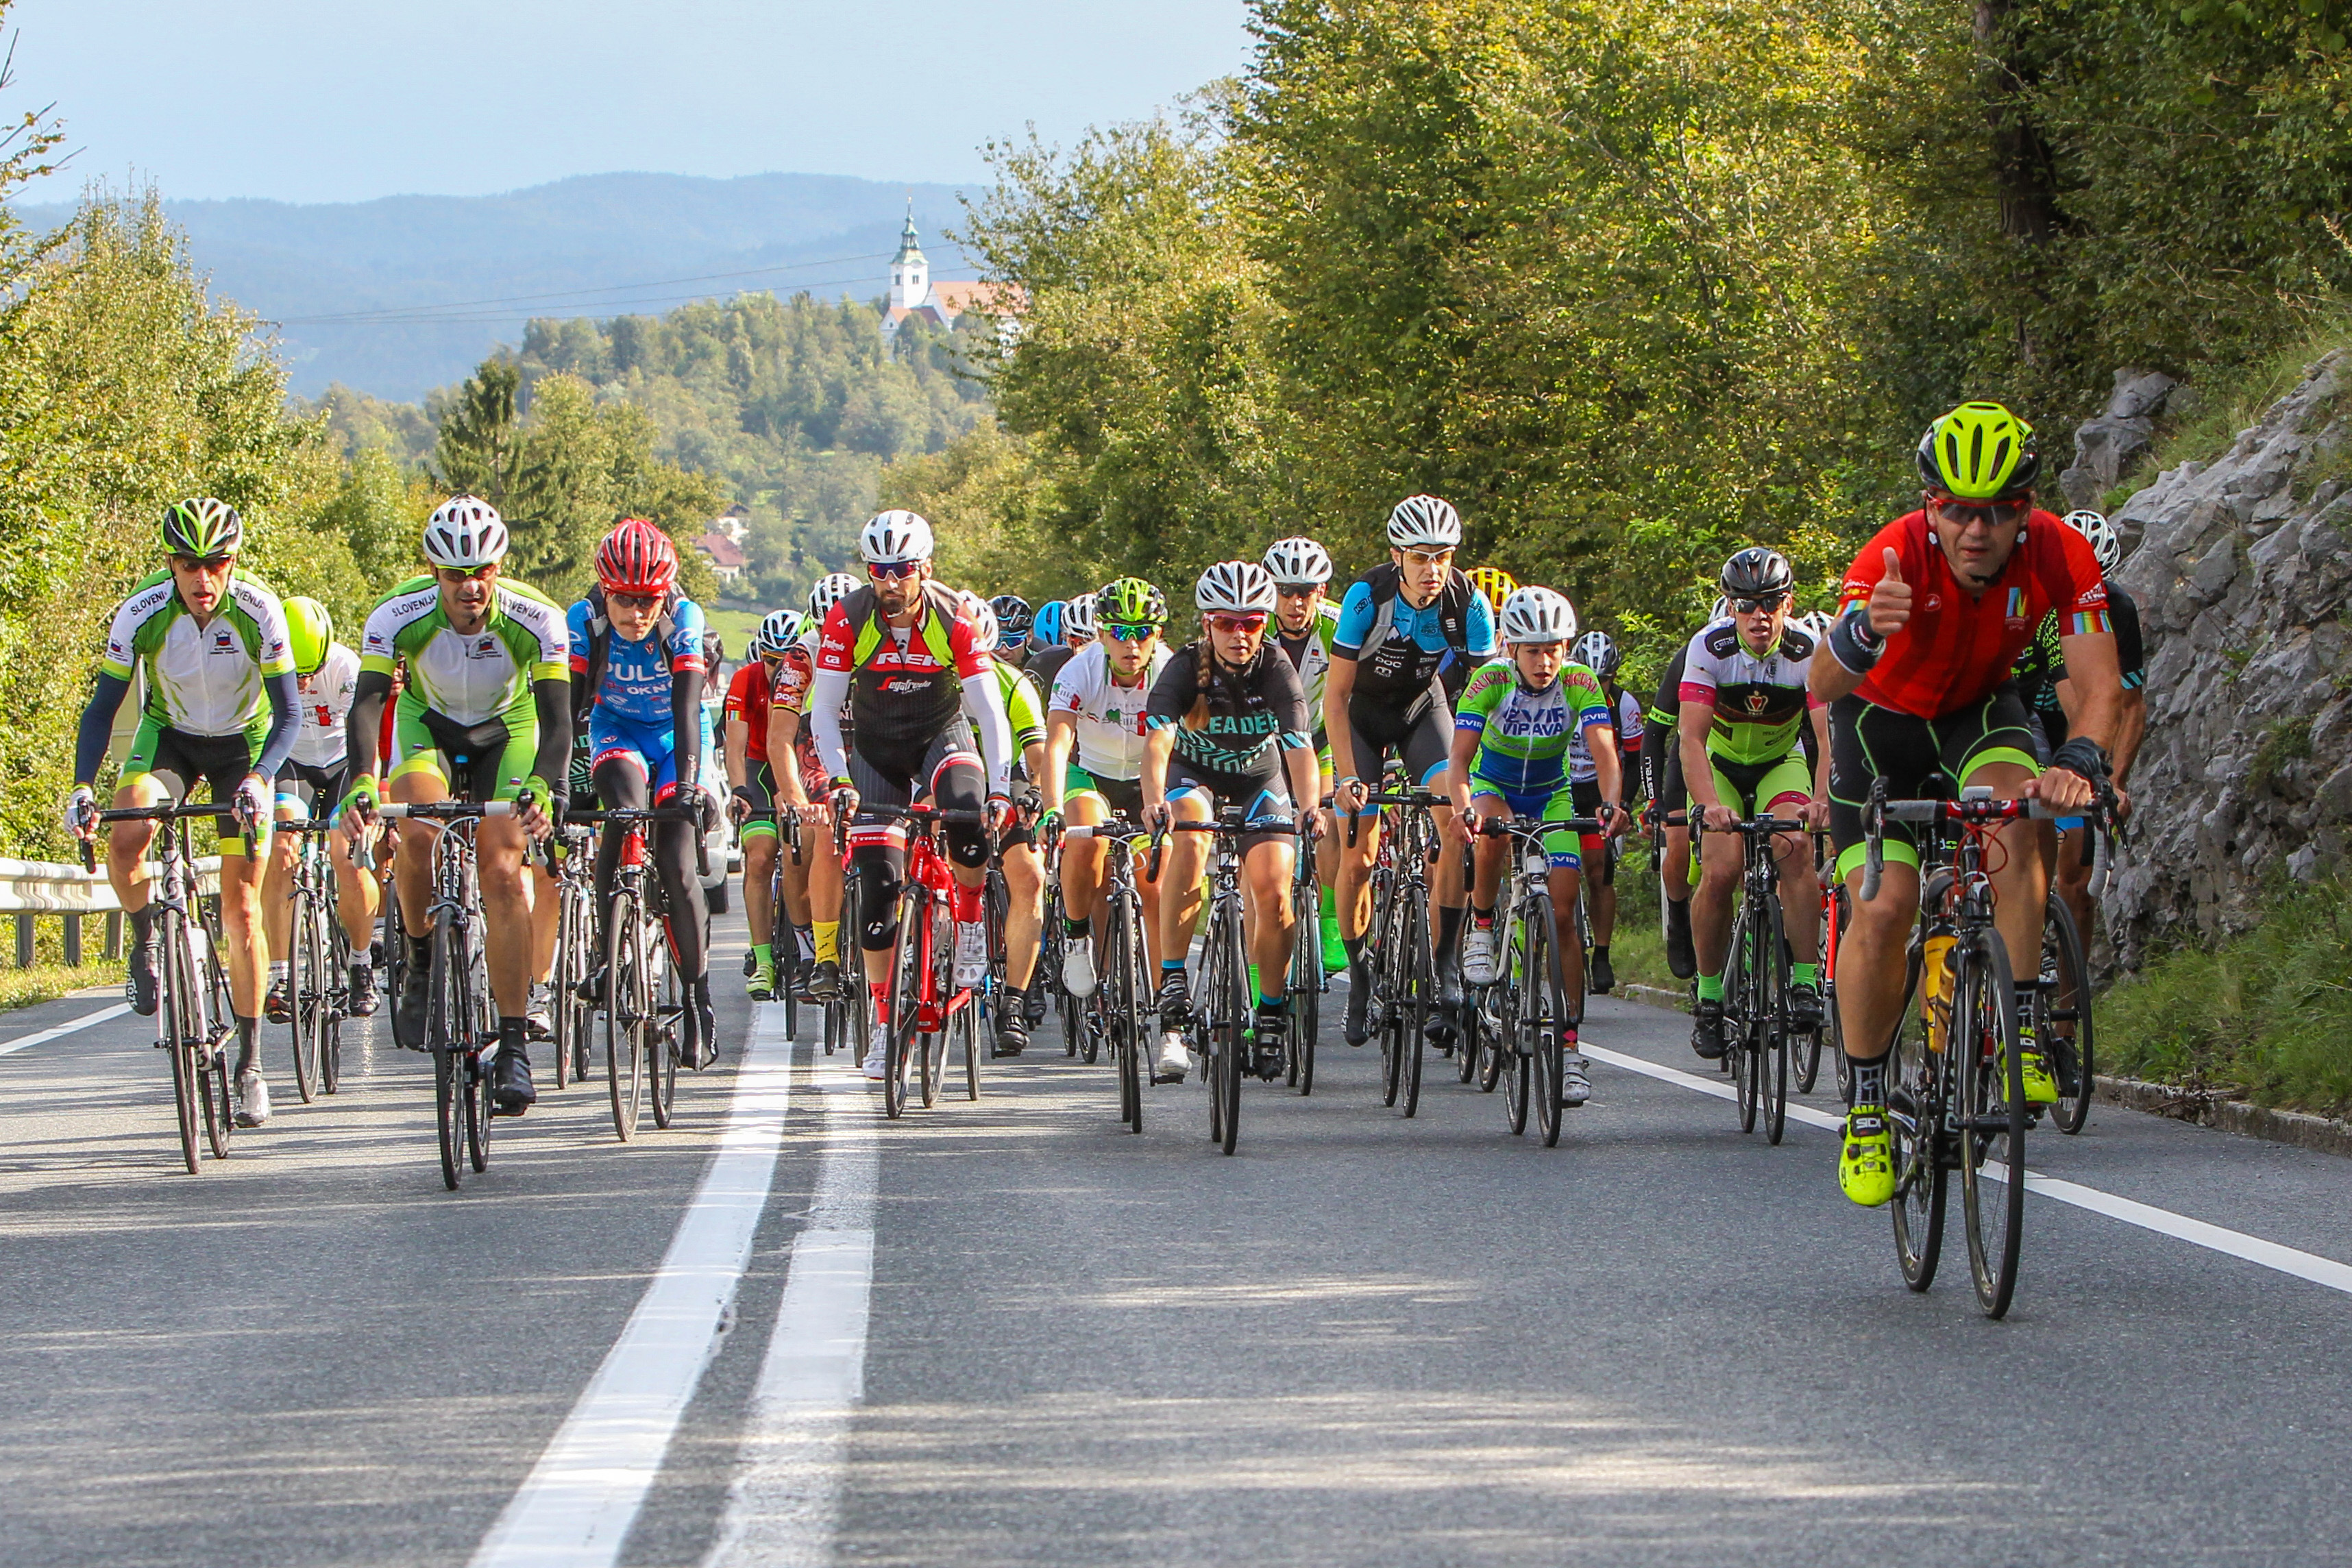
x=1938 y=978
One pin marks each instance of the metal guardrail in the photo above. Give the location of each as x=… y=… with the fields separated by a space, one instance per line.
x=33 y=888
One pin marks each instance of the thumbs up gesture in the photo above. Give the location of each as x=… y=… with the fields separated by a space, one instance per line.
x=1890 y=600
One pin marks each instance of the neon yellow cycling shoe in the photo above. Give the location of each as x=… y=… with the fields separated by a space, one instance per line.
x=1866 y=1158
x=2040 y=1089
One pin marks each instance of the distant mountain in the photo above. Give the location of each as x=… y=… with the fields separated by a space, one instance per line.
x=461 y=274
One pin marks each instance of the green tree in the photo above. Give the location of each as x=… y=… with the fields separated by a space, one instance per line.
x=477 y=449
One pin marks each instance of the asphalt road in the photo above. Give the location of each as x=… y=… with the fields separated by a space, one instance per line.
x=1010 y=1332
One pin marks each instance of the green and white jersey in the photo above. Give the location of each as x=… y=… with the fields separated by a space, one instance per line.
x=469 y=679
x=1310 y=656
x=202 y=681
x=1524 y=734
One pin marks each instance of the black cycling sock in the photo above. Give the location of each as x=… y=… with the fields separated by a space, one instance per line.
x=143 y=923
x=1870 y=1082
x=1601 y=951
x=420 y=955
x=513 y=1037
x=249 y=1042
x=1449 y=932
x=1355 y=948
x=1080 y=929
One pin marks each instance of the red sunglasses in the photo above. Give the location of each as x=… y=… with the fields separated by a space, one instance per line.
x=1250 y=623
x=895 y=569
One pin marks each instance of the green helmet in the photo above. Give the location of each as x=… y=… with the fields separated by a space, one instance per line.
x=200 y=526
x=1980 y=451
x=1130 y=602
x=309 y=629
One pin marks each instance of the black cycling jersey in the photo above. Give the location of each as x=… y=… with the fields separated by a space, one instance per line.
x=1230 y=721
x=1045 y=667
x=2042 y=665
x=1658 y=733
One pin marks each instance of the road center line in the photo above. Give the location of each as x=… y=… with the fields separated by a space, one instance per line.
x=577 y=1504
x=784 y=1503
x=84 y=1022
x=2285 y=1259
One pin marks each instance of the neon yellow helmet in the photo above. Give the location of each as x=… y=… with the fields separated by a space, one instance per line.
x=1129 y=601
x=309 y=629
x=1980 y=451
x=1495 y=583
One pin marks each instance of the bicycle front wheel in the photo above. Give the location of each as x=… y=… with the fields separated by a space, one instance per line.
x=906 y=963
x=1771 y=1004
x=183 y=1033
x=625 y=1005
x=1230 y=1040
x=1419 y=995
x=1305 y=986
x=1992 y=1119
x=450 y=1092
x=668 y=1009
x=306 y=981
x=1741 y=1000
x=1514 y=1048
x=1547 y=988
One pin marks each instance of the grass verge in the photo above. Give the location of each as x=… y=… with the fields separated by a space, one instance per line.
x=2219 y=406
x=2265 y=1015
x=47 y=982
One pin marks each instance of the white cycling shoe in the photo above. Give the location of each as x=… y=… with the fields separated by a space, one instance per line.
x=970 y=953
x=877 y=1054
x=252 y=1099
x=1174 y=1061
x=1078 y=970
x=1479 y=955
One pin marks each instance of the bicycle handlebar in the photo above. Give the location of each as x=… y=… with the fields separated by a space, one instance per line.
x=168 y=811
x=1975 y=809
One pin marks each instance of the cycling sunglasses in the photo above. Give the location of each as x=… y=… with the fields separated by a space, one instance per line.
x=1749 y=606
x=895 y=569
x=1297 y=590
x=1251 y=623
x=1991 y=513
x=1134 y=633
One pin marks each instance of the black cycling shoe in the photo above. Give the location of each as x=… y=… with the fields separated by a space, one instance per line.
x=510 y=1090
x=1175 y=1003
x=1267 y=1032
x=1012 y=1028
x=139 y=983
x=1681 y=957
x=1358 y=1028
x=275 y=1007
x=591 y=987
x=1449 y=986
x=698 y=1046
x=359 y=1001
x=824 y=981
x=1603 y=973
x=1805 y=1006
x=1706 y=1031
x=1037 y=1004
x=409 y=1008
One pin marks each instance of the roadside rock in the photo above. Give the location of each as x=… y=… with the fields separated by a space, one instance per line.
x=2106 y=447
x=2241 y=571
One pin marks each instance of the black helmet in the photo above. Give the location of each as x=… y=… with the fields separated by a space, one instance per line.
x=1013 y=618
x=1757 y=573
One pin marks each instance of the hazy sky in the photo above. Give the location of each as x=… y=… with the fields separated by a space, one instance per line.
x=345 y=99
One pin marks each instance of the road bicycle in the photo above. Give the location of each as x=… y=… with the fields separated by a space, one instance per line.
x=1759 y=1032
x=1523 y=1018
x=461 y=1024
x=1955 y=1074
x=928 y=1011
x=193 y=1015
x=644 y=994
x=1219 y=1026
x=1307 y=980
x=569 y=856
x=1403 y=967
x=319 y=966
x=1119 y=1014
x=1837 y=909
x=784 y=937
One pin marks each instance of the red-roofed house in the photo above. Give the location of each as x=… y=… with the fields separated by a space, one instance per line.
x=727 y=557
x=913 y=293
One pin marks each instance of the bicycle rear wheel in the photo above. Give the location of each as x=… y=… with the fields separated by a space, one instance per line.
x=626 y=1002
x=306 y=984
x=1548 y=989
x=1992 y=1114
x=669 y=1007
x=1229 y=1035
x=2063 y=1017
x=1419 y=997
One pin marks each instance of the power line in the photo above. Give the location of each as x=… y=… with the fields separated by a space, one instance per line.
x=409 y=311
x=610 y=308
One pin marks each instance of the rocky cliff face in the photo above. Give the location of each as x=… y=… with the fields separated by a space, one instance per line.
x=2241 y=571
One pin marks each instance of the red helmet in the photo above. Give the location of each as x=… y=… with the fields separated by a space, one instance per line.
x=637 y=558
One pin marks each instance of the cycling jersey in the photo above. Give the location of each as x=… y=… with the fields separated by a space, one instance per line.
x=1109 y=717
x=794 y=677
x=1310 y=653
x=202 y=681
x=1045 y=668
x=906 y=684
x=1396 y=647
x=652 y=743
x=747 y=699
x=327 y=696
x=1759 y=700
x=469 y=679
x=2042 y=665
x=1524 y=733
x=636 y=683
x=1628 y=708
x=1230 y=721
x=1958 y=647
x=1660 y=756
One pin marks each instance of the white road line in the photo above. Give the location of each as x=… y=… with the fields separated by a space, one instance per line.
x=84 y=1022
x=577 y=1504
x=2164 y=1222
x=781 y=1510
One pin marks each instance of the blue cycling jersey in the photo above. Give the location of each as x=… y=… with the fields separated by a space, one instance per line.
x=1408 y=648
x=635 y=684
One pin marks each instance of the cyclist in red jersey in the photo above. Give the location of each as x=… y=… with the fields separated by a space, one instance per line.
x=800 y=788
x=1935 y=611
x=753 y=785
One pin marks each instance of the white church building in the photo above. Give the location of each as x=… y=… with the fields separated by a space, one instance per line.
x=914 y=292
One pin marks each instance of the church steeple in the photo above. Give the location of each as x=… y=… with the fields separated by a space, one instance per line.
x=911 y=274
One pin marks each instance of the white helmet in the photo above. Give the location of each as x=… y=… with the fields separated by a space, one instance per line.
x=1290 y=562
x=894 y=538
x=828 y=590
x=1235 y=587
x=1722 y=610
x=1078 y=617
x=780 y=631
x=1815 y=624
x=464 y=531
x=1597 y=651
x=985 y=631
x=1538 y=614
x=1426 y=522
x=2096 y=528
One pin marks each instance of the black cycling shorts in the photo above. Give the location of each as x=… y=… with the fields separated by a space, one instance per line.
x=178 y=760
x=1920 y=759
x=760 y=784
x=476 y=754
x=1418 y=733
x=311 y=784
x=1267 y=810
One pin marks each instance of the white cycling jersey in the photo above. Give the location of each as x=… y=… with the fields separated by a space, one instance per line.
x=469 y=679
x=1629 y=732
x=326 y=699
x=1110 y=716
x=202 y=681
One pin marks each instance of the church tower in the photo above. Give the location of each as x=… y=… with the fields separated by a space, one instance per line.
x=911 y=274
